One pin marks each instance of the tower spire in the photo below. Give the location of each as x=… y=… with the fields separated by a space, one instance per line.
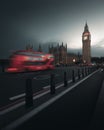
x=62 y=44
x=86 y=28
x=40 y=49
x=29 y=47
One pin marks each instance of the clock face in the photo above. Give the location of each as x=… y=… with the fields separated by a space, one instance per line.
x=85 y=38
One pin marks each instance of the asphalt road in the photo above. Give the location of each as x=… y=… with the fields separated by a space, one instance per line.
x=12 y=86
x=78 y=109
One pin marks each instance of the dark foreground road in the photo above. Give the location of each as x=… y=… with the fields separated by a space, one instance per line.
x=75 y=110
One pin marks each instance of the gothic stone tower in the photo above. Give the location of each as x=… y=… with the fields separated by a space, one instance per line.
x=60 y=53
x=86 y=49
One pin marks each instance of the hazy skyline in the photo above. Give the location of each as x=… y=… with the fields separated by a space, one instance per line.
x=43 y=21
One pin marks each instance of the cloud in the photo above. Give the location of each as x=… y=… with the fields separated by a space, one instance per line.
x=99 y=43
x=98 y=49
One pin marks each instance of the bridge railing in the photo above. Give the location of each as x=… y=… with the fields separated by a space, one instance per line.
x=75 y=76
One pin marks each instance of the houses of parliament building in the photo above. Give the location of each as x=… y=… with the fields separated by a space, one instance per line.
x=62 y=56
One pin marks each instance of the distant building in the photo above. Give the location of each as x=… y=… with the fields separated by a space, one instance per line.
x=86 y=49
x=73 y=58
x=62 y=56
x=29 y=47
x=60 y=53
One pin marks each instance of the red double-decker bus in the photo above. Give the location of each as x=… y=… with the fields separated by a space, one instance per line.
x=21 y=61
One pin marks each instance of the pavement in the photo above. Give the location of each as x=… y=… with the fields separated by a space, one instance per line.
x=97 y=121
x=79 y=106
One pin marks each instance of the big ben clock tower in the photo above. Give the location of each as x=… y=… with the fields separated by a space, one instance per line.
x=86 y=49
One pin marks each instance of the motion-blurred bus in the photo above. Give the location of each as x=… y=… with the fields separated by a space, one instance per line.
x=21 y=61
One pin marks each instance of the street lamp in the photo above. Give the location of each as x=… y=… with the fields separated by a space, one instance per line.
x=73 y=60
x=84 y=61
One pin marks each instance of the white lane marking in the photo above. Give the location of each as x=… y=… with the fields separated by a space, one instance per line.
x=69 y=81
x=58 y=85
x=12 y=108
x=43 y=77
x=46 y=87
x=38 y=96
x=16 y=97
x=35 y=111
x=21 y=103
x=23 y=94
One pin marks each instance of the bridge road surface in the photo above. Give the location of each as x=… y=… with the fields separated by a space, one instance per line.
x=12 y=86
x=74 y=110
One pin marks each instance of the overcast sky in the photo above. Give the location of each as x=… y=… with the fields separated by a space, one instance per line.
x=43 y=21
